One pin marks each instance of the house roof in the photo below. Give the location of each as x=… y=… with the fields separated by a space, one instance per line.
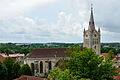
x=25 y=77
x=48 y=53
x=105 y=54
x=1 y=58
x=12 y=55
x=117 y=77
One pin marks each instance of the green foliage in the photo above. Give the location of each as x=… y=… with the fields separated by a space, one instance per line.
x=111 y=54
x=13 y=69
x=25 y=70
x=3 y=71
x=25 y=51
x=16 y=68
x=5 y=49
x=115 y=48
x=84 y=79
x=9 y=65
x=85 y=64
x=57 y=74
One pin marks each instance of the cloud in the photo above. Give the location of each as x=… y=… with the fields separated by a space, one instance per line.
x=10 y=8
x=73 y=17
x=26 y=28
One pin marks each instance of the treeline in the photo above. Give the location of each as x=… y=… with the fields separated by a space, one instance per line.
x=11 y=48
x=110 y=48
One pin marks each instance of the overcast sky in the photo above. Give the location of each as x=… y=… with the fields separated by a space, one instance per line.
x=41 y=21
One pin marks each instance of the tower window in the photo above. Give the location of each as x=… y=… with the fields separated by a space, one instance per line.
x=95 y=35
x=86 y=35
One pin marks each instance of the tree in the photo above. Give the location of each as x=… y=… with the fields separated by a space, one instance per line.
x=111 y=54
x=5 y=49
x=3 y=71
x=16 y=68
x=57 y=74
x=9 y=65
x=87 y=65
x=25 y=70
x=25 y=51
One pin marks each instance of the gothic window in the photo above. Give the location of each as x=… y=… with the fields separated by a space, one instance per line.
x=41 y=67
x=36 y=66
x=50 y=65
x=32 y=67
x=94 y=47
x=95 y=41
x=89 y=22
x=86 y=35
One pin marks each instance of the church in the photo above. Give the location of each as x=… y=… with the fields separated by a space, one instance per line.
x=42 y=60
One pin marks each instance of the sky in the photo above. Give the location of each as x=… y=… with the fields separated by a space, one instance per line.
x=43 y=21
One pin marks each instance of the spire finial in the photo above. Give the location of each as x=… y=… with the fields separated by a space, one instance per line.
x=91 y=6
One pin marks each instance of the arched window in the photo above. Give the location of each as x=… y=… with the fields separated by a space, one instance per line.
x=94 y=47
x=36 y=66
x=50 y=65
x=32 y=67
x=41 y=67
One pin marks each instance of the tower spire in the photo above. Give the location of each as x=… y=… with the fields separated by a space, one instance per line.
x=91 y=22
x=91 y=37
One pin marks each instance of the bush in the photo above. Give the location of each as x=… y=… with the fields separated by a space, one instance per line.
x=25 y=70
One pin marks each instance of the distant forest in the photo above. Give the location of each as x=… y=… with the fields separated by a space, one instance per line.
x=11 y=48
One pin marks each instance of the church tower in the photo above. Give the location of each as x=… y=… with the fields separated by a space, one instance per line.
x=92 y=36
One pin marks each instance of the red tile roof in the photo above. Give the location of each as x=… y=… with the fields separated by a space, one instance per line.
x=25 y=77
x=12 y=55
x=48 y=53
x=105 y=54
x=117 y=77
